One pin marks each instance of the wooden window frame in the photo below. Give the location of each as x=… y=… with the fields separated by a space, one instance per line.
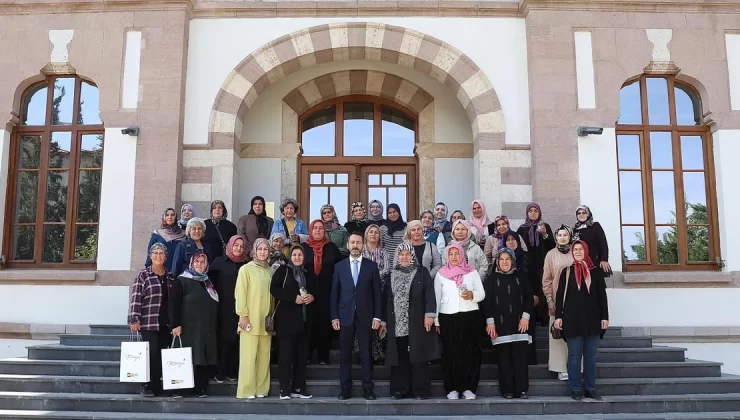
x=73 y=170
x=643 y=132
x=331 y=163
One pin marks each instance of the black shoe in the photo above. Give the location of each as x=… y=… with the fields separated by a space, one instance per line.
x=219 y=379
x=594 y=395
x=576 y=395
x=524 y=396
x=284 y=395
x=369 y=395
x=421 y=397
x=323 y=362
x=201 y=394
x=176 y=395
x=396 y=396
x=509 y=396
x=345 y=395
x=301 y=394
x=146 y=392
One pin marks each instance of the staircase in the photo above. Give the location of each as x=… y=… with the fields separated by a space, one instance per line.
x=78 y=379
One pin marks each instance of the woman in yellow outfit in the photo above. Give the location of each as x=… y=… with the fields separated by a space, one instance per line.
x=253 y=304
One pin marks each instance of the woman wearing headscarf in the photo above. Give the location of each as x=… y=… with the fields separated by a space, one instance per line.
x=593 y=235
x=539 y=240
x=148 y=313
x=513 y=242
x=508 y=306
x=455 y=216
x=459 y=289
x=441 y=224
x=253 y=304
x=169 y=234
x=320 y=256
x=294 y=315
x=555 y=261
x=393 y=231
x=334 y=230
x=376 y=213
x=292 y=228
x=195 y=319
x=187 y=212
x=373 y=250
x=479 y=222
x=223 y=273
x=495 y=241
x=218 y=229
x=359 y=222
x=427 y=254
x=582 y=312
x=277 y=252
x=431 y=234
x=410 y=310
x=193 y=243
x=255 y=224
x=472 y=253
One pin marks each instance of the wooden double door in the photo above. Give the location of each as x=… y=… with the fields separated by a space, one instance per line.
x=342 y=185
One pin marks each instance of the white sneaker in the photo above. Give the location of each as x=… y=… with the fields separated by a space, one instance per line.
x=260 y=396
x=562 y=376
x=468 y=395
x=251 y=397
x=454 y=395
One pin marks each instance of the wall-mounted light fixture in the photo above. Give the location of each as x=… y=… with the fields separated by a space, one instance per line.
x=586 y=131
x=130 y=131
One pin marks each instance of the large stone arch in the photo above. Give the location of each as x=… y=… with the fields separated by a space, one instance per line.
x=361 y=41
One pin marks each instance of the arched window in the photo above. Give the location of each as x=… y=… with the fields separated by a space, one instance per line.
x=357 y=148
x=666 y=178
x=56 y=161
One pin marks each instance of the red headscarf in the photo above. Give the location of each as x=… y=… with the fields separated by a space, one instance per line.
x=582 y=268
x=317 y=246
x=230 y=249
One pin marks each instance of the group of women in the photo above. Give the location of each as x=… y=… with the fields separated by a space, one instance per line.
x=451 y=287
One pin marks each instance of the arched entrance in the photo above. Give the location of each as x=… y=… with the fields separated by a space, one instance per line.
x=357 y=148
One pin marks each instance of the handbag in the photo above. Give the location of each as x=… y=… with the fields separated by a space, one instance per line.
x=270 y=319
x=557 y=334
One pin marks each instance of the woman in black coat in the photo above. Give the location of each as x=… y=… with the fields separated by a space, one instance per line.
x=194 y=315
x=223 y=273
x=538 y=240
x=526 y=271
x=294 y=316
x=593 y=235
x=218 y=229
x=582 y=312
x=320 y=257
x=410 y=310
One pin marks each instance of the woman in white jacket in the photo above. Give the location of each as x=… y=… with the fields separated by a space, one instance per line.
x=473 y=253
x=458 y=289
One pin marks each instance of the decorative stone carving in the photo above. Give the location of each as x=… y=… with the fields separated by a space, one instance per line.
x=60 y=40
x=661 y=56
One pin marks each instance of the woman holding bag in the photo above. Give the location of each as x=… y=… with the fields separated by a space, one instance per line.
x=195 y=319
x=253 y=305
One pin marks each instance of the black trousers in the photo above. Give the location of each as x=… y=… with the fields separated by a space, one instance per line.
x=201 y=375
x=461 y=351
x=157 y=340
x=347 y=341
x=532 y=348
x=409 y=378
x=228 y=359
x=292 y=362
x=321 y=335
x=513 y=371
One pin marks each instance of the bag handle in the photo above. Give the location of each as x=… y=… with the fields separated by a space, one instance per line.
x=565 y=293
x=172 y=346
x=272 y=316
x=135 y=336
x=223 y=244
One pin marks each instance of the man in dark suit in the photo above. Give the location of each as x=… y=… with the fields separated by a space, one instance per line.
x=356 y=306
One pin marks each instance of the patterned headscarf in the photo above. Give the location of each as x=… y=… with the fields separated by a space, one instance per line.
x=262 y=263
x=589 y=221
x=170 y=232
x=438 y=223
x=230 y=249
x=534 y=236
x=481 y=224
x=564 y=249
x=183 y=221
x=196 y=275
x=357 y=204
x=513 y=260
x=317 y=246
x=192 y=222
x=379 y=217
x=225 y=216
x=334 y=224
x=408 y=268
x=457 y=272
x=497 y=234
x=583 y=268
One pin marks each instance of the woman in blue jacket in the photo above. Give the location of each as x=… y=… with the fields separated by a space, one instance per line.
x=292 y=228
x=169 y=234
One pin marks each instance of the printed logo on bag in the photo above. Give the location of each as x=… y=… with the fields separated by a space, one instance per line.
x=176 y=381
x=132 y=375
x=133 y=357
x=173 y=363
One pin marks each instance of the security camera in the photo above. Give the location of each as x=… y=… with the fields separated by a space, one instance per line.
x=130 y=131
x=585 y=131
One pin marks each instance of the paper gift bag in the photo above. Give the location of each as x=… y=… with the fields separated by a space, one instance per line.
x=177 y=367
x=135 y=361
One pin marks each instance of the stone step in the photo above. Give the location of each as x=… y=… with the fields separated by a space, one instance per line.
x=542 y=342
x=97 y=415
x=382 y=407
x=331 y=388
x=124 y=330
x=686 y=369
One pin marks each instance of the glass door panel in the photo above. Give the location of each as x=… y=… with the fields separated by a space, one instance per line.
x=325 y=184
x=390 y=184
